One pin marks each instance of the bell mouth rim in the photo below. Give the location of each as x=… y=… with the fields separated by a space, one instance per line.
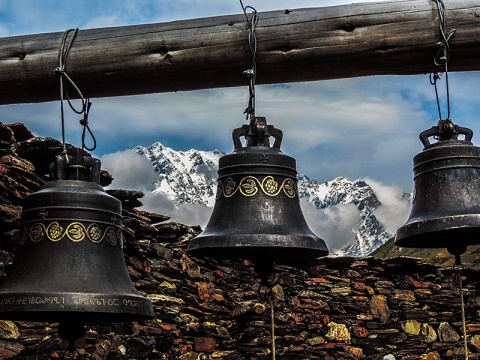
x=90 y=307
x=267 y=246
x=440 y=232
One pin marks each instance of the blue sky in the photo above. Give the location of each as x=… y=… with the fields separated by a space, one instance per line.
x=356 y=128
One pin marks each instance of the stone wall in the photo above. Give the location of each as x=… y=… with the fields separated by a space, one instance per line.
x=339 y=308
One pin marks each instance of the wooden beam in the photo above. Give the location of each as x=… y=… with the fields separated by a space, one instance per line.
x=396 y=37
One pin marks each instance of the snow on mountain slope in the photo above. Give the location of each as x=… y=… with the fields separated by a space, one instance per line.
x=370 y=233
x=185 y=176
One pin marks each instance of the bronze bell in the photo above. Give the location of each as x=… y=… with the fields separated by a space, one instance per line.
x=257 y=212
x=70 y=266
x=446 y=200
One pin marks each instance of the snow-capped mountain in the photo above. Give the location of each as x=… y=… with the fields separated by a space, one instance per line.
x=185 y=176
x=370 y=233
x=189 y=177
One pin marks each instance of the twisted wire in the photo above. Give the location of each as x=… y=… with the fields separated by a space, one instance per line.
x=64 y=49
x=252 y=72
x=434 y=77
x=443 y=55
x=86 y=127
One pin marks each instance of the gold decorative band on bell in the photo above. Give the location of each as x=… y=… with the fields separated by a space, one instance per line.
x=250 y=185
x=75 y=232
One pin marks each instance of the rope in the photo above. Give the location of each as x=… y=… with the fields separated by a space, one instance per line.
x=443 y=55
x=464 y=325
x=64 y=49
x=458 y=284
x=268 y=296
x=272 y=322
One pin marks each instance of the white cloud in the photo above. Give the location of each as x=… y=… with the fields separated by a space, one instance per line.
x=4 y=32
x=129 y=170
x=189 y=214
x=334 y=224
x=103 y=21
x=394 y=211
x=132 y=171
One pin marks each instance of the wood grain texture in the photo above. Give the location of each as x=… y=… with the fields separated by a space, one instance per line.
x=397 y=37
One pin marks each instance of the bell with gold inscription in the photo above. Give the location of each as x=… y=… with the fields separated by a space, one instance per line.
x=70 y=266
x=257 y=212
